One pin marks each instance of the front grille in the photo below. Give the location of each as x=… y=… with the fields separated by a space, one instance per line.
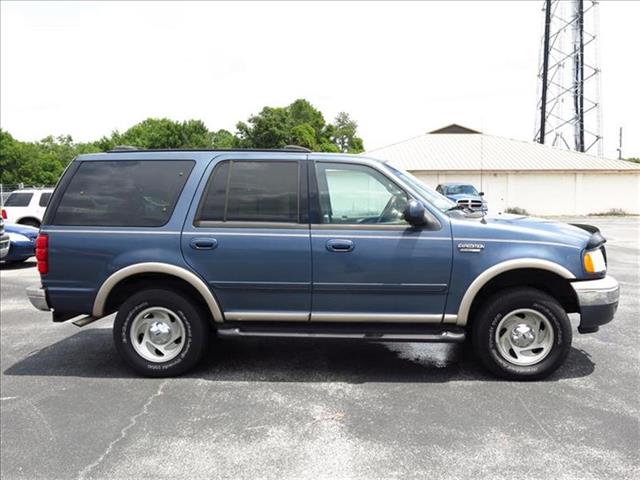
x=473 y=204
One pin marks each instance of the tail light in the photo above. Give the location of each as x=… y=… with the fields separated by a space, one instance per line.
x=4 y=214
x=42 y=253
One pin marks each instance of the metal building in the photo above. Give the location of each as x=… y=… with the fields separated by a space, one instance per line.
x=542 y=179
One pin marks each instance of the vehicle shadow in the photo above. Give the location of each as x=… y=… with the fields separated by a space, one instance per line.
x=17 y=265
x=90 y=353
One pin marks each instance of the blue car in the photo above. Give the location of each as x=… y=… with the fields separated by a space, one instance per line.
x=183 y=245
x=22 y=242
x=463 y=194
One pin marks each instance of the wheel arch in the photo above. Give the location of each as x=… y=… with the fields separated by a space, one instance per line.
x=149 y=271
x=543 y=274
x=29 y=217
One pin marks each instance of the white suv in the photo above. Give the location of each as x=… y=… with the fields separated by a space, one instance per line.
x=26 y=206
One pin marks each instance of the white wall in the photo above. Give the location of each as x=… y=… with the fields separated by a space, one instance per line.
x=551 y=193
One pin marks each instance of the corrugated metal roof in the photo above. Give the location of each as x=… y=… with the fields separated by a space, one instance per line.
x=460 y=151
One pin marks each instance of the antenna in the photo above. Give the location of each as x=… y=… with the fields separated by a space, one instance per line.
x=481 y=174
x=620 y=145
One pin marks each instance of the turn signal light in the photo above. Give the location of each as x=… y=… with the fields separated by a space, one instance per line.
x=4 y=214
x=593 y=261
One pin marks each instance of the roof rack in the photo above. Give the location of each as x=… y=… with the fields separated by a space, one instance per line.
x=287 y=148
x=297 y=148
x=124 y=148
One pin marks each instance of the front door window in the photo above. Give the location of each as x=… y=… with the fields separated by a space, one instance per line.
x=358 y=195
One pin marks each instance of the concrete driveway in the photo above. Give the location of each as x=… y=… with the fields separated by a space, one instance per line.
x=277 y=409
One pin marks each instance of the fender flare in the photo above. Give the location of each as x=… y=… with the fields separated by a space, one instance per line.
x=155 y=267
x=491 y=272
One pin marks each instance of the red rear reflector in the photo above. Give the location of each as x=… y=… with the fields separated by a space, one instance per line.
x=4 y=214
x=42 y=253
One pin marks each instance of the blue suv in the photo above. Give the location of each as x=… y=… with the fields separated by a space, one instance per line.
x=185 y=245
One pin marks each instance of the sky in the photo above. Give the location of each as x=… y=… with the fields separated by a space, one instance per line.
x=399 y=69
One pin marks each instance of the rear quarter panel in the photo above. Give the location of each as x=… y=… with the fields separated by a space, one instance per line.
x=82 y=258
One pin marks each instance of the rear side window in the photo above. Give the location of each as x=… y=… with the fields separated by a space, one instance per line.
x=44 y=199
x=123 y=193
x=245 y=191
x=18 y=200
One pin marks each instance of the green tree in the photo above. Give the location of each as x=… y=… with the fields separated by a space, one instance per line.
x=344 y=135
x=269 y=129
x=165 y=133
x=299 y=124
x=223 y=139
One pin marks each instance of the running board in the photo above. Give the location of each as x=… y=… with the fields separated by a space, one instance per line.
x=84 y=321
x=377 y=333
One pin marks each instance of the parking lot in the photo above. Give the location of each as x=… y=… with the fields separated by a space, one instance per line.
x=318 y=409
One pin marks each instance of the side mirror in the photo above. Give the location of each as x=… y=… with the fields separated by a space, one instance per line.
x=415 y=213
x=481 y=194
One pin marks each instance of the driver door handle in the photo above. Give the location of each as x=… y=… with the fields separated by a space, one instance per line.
x=340 y=245
x=203 y=243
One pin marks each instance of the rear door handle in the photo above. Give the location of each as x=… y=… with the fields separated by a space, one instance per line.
x=203 y=243
x=340 y=245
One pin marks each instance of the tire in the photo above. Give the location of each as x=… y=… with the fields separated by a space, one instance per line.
x=514 y=311
x=30 y=223
x=166 y=325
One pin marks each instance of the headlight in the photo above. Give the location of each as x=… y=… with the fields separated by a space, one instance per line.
x=593 y=261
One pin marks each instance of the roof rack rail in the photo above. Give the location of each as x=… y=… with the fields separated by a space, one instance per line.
x=124 y=148
x=297 y=148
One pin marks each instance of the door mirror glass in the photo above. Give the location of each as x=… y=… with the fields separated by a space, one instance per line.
x=415 y=213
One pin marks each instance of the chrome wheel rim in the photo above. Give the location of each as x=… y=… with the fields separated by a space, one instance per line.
x=157 y=334
x=524 y=337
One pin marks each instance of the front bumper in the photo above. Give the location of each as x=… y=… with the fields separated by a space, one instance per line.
x=598 y=302
x=38 y=298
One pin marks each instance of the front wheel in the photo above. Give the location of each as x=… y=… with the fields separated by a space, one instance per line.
x=522 y=334
x=161 y=333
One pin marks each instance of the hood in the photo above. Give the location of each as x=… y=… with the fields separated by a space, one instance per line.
x=463 y=196
x=518 y=227
x=28 y=232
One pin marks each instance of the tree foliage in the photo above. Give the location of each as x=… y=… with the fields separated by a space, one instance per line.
x=300 y=123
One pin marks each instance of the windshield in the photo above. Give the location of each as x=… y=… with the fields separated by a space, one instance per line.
x=441 y=202
x=460 y=189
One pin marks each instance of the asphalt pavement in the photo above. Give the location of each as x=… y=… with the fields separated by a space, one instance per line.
x=292 y=409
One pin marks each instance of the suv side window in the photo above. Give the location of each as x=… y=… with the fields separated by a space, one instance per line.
x=358 y=194
x=44 y=199
x=123 y=193
x=252 y=191
x=18 y=200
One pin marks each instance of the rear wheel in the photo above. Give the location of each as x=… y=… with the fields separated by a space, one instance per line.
x=161 y=333
x=522 y=334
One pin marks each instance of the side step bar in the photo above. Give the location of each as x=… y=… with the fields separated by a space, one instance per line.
x=84 y=321
x=375 y=333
